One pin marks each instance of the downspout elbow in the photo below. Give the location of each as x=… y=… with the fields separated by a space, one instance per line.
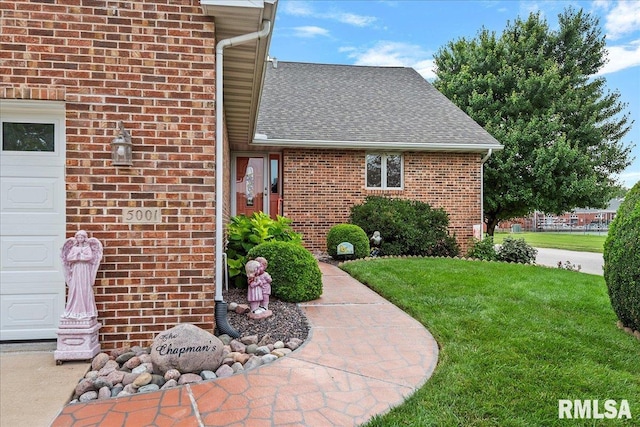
x=244 y=38
x=485 y=158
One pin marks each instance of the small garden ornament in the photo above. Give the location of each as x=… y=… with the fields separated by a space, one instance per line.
x=259 y=288
x=375 y=240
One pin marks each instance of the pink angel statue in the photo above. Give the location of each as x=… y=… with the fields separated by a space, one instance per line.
x=81 y=257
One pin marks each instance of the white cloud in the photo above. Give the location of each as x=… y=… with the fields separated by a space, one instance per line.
x=394 y=54
x=352 y=19
x=304 y=8
x=297 y=8
x=623 y=19
x=629 y=179
x=310 y=31
x=622 y=57
x=426 y=68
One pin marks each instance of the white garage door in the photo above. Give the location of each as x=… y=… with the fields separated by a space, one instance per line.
x=32 y=218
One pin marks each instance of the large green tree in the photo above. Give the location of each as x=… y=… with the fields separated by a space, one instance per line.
x=534 y=90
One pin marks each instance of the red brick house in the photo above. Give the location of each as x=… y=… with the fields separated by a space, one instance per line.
x=346 y=132
x=72 y=71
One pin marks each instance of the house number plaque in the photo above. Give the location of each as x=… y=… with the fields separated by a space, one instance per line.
x=141 y=216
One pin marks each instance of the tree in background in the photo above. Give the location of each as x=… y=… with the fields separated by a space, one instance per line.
x=534 y=90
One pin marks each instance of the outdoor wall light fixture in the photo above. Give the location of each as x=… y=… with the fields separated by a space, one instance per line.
x=121 y=148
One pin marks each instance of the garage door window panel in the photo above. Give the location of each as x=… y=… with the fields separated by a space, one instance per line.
x=28 y=137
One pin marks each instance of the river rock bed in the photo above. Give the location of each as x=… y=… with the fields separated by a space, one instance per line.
x=127 y=371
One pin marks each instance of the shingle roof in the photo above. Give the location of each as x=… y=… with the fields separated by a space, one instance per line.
x=320 y=102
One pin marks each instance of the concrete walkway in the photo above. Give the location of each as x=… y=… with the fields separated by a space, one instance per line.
x=590 y=262
x=32 y=387
x=363 y=357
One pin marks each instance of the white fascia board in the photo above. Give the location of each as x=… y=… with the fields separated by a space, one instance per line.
x=376 y=145
x=258 y=4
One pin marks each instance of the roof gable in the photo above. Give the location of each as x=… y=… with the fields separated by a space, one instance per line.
x=343 y=103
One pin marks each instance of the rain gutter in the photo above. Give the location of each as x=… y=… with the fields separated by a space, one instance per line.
x=263 y=141
x=482 y=162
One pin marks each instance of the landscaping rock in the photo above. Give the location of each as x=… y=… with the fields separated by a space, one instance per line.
x=104 y=393
x=142 y=380
x=172 y=374
x=124 y=357
x=186 y=348
x=237 y=346
x=101 y=382
x=88 y=396
x=189 y=379
x=224 y=371
x=108 y=368
x=115 y=390
x=261 y=351
x=132 y=363
x=253 y=362
x=84 y=386
x=99 y=361
x=169 y=384
x=268 y=358
x=209 y=375
x=149 y=387
x=158 y=380
x=248 y=340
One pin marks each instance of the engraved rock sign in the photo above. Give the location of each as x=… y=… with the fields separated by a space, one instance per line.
x=186 y=348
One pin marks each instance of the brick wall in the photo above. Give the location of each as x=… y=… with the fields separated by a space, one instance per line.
x=150 y=64
x=320 y=186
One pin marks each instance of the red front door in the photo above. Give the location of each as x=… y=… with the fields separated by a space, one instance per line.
x=256 y=188
x=249 y=185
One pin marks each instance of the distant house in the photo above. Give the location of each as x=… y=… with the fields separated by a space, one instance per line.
x=305 y=140
x=580 y=219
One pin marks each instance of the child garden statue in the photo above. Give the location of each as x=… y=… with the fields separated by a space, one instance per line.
x=78 y=327
x=259 y=288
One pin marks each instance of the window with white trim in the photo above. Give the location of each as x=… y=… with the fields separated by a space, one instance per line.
x=384 y=171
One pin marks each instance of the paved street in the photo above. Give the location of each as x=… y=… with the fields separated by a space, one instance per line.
x=590 y=262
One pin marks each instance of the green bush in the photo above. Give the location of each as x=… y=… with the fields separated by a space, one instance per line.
x=483 y=249
x=622 y=260
x=407 y=227
x=516 y=250
x=294 y=271
x=243 y=233
x=348 y=233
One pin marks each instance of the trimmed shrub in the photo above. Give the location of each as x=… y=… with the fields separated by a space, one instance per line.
x=407 y=227
x=622 y=260
x=348 y=233
x=516 y=250
x=294 y=271
x=483 y=249
x=243 y=233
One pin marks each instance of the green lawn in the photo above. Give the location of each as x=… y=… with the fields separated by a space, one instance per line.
x=514 y=340
x=571 y=241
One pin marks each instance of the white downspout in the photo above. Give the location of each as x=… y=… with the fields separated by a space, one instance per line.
x=482 y=162
x=222 y=44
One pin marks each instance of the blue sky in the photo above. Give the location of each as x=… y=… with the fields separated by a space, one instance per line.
x=409 y=33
